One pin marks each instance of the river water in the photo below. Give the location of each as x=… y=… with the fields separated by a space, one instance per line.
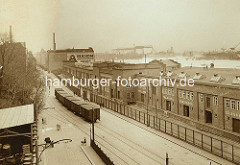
x=192 y=62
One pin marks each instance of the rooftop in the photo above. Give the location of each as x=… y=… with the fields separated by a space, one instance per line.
x=16 y=116
x=72 y=50
x=212 y=75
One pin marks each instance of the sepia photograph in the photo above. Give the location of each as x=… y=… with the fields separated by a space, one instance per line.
x=120 y=82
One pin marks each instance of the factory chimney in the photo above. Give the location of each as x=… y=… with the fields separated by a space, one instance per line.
x=54 y=43
x=10 y=34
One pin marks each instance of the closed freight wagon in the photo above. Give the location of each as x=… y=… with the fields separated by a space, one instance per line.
x=69 y=102
x=88 y=109
x=76 y=107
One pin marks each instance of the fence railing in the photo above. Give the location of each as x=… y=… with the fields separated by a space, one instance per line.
x=217 y=147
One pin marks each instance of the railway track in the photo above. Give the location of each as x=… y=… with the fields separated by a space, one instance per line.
x=61 y=116
x=132 y=145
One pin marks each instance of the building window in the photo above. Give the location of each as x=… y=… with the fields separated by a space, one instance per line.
x=208 y=115
x=215 y=100
x=191 y=96
x=233 y=104
x=186 y=110
x=169 y=91
x=118 y=95
x=183 y=94
x=142 y=97
x=153 y=90
x=133 y=95
x=128 y=95
x=238 y=105
x=164 y=90
x=208 y=102
x=187 y=95
x=227 y=103
x=172 y=92
x=201 y=98
x=111 y=93
x=180 y=94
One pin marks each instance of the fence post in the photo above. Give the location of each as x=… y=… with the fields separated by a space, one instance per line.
x=165 y=126
x=178 y=132
x=120 y=108
x=221 y=148
x=135 y=114
x=185 y=133
x=171 y=129
x=139 y=116
x=159 y=125
x=211 y=144
x=154 y=121
x=232 y=153
x=202 y=140
x=193 y=138
x=144 y=116
x=167 y=159
x=124 y=110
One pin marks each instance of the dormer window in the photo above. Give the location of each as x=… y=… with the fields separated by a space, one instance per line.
x=169 y=74
x=182 y=75
x=236 y=80
x=161 y=73
x=217 y=78
x=197 y=76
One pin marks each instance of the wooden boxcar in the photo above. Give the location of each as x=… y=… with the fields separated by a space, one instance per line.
x=87 y=109
x=69 y=102
x=76 y=107
x=57 y=91
x=62 y=97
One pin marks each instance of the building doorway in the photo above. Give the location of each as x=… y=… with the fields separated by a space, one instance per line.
x=186 y=110
x=168 y=105
x=85 y=95
x=236 y=125
x=208 y=115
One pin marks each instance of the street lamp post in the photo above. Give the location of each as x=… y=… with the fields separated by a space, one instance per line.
x=92 y=124
x=147 y=104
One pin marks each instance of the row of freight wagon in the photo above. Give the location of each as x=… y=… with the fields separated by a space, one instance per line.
x=87 y=110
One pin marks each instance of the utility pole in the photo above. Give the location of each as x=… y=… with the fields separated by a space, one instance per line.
x=93 y=124
x=147 y=103
x=145 y=59
x=167 y=159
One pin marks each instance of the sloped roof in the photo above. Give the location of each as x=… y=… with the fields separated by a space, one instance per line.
x=72 y=50
x=16 y=116
x=228 y=74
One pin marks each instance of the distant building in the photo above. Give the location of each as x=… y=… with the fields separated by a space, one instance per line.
x=56 y=57
x=212 y=104
x=111 y=70
x=41 y=58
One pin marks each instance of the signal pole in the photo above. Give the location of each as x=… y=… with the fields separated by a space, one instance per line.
x=93 y=124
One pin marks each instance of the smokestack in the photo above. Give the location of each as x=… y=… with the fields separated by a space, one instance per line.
x=10 y=34
x=54 y=43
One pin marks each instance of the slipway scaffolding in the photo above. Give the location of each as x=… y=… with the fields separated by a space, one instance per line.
x=18 y=135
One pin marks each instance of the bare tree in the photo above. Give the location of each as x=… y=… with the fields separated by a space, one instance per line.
x=20 y=81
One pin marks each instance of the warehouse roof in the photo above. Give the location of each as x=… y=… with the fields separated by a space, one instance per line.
x=16 y=116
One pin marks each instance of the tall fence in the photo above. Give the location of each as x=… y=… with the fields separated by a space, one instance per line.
x=217 y=147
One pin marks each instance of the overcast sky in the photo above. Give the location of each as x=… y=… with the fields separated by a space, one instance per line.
x=108 y=24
